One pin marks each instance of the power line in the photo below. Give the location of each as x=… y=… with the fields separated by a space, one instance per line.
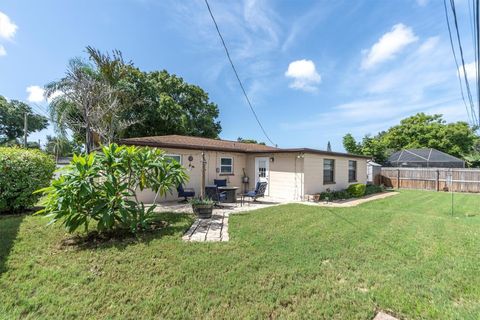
x=472 y=114
x=236 y=74
x=454 y=11
x=457 y=65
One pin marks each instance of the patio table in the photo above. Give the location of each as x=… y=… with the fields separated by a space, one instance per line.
x=231 y=193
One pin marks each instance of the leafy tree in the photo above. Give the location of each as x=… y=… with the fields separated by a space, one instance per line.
x=418 y=131
x=61 y=146
x=240 y=139
x=431 y=131
x=12 y=115
x=109 y=98
x=171 y=106
x=472 y=160
x=351 y=145
x=86 y=102
x=100 y=188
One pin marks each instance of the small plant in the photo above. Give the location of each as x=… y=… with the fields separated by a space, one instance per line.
x=356 y=190
x=100 y=188
x=200 y=201
x=203 y=208
x=21 y=173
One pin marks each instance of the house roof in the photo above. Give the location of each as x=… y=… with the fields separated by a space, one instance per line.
x=422 y=155
x=199 y=143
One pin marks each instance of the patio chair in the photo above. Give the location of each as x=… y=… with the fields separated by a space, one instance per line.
x=212 y=192
x=186 y=193
x=220 y=182
x=259 y=192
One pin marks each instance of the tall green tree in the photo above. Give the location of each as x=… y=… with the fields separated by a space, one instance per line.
x=108 y=98
x=351 y=145
x=12 y=115
x=418 y=131
x=171 y=106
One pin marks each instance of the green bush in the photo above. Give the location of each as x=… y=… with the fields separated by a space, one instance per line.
x=22 y=171
x=371 y=189
x=335 y=195
x=356 y=190
x=101 y=187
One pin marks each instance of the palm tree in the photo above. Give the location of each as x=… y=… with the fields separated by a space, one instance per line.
x=88 y=100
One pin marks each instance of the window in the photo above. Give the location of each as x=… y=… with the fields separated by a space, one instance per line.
x=175 y=157
x=328 y=171
x=226 y=165
x=352 y=170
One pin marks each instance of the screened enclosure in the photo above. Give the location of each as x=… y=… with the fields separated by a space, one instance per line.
x=424 y=158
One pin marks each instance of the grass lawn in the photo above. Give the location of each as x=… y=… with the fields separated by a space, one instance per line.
x=405 y=254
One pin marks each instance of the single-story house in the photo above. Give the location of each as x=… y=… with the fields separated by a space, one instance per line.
x=424 y=158
x=291 y=173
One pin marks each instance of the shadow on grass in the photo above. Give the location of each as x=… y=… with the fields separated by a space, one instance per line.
x=169 y=224
x=9 y=226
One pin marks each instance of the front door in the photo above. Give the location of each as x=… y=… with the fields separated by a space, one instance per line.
x=262 y=171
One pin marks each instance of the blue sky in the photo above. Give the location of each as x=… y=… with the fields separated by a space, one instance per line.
x=314 y=70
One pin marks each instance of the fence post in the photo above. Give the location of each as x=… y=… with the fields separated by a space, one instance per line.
x=437 y=181
x=398 y=178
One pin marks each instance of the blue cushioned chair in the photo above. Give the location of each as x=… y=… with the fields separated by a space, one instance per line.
x=211 y=192
x=220 y=182
x=257 y=193
x=186 y=193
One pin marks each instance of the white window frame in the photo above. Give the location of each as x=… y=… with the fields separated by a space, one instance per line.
x=173 y=155
x=231 y=166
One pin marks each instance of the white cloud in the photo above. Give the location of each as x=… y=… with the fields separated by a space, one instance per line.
x=471 y=69
x=388 y=45
x=35 y=94
x=7 y=27
x=304 y=74
x=3 y=52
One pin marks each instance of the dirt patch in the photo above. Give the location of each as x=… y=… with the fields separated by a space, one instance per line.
x=94 y=238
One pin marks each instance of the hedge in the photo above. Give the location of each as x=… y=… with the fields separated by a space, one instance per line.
x=22 y=171
x=357 y=190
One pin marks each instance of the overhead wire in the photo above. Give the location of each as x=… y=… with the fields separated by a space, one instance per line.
x=236 y=74
x=468 y=109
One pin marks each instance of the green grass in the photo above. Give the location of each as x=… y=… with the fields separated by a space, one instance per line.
x=405 y=254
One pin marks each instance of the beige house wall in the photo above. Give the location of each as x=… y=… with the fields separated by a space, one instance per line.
x=285 y=176
x=314 y=173
x=291 y=175
x=194 y=170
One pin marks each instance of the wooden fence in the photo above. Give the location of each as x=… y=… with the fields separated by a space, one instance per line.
x=439 y=179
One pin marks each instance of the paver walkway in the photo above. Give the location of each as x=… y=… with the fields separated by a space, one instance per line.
x=214 y=229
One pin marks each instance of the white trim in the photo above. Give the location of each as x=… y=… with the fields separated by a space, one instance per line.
x=171 y=155
x=220 y=165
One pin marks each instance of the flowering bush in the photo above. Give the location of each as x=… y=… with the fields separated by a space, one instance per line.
x=22 y=171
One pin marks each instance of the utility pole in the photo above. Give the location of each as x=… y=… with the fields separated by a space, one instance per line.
x=25 y=130
x=202 y=190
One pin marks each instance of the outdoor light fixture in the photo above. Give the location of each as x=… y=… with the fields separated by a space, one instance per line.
x=272 y=159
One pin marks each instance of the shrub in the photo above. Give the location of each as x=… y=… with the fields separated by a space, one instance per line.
x=356 y=190
x=101 y=188
x=335 y=195
x=371 y=189
x=22 y=171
